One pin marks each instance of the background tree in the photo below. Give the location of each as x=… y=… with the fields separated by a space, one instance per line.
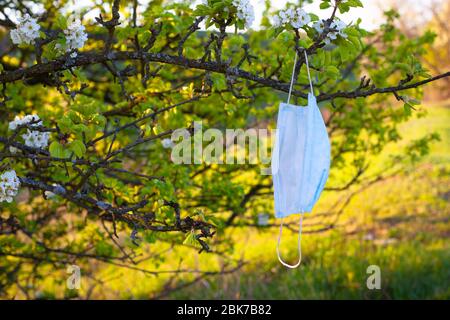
x=431 y=16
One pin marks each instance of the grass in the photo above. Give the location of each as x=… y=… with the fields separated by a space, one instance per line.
x=401 y=225
x=408 y=271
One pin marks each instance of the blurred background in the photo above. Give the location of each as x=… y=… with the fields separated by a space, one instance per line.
x=399 y=222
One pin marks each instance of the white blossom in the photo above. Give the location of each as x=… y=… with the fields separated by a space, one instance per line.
x=290 y=14
x=319 y=26
x=15 y=36
x=297 y=18
x=27 y=30
x=49 y=194
x=337 y=29
x=13 y=150
x=9 y=185
x=167 y=143
x=339 y=26
x=300 y=19
x=58 y=189
x=283 y=17
x=30 y=119
x=245 y=11
x=276 y=21
x=332 y=35
x=32 y=138
x=36 y=139
x=75 y=36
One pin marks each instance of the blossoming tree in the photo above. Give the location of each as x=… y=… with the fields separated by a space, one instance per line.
x=89 y=105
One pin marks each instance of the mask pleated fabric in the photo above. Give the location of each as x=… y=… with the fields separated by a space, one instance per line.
x=300 y=159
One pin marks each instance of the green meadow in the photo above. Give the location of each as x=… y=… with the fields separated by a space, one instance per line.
x=400 y=224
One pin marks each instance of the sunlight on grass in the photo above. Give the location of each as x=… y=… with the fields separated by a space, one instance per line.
x=400 y=224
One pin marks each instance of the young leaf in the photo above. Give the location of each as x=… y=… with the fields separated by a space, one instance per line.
x=78 y=148
x=57 y=150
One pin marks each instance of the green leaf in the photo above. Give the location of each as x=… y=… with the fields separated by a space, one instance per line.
x=61 y=22
x=407 y=109
x=190 y=239
x=99 y=120
x=343 y=8
x=103 y=248
x=344 y=53
x=74 y=116
x=403 y=66
x=314 y=17
x=219 y=81
x=65 y=124
x=352 y=31
x=150 y=237
x=202 y=10
x=78 y=148
x=354 y=3
x=57 y=150
x=324 y=5
x=332 y=71
x=356 y=42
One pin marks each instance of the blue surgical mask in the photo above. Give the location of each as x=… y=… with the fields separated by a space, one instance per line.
x=300 y=159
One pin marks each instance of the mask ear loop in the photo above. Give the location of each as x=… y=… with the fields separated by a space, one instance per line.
x=309 y=74
x=299 y=244
x=293 y=74
x=292 y=78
